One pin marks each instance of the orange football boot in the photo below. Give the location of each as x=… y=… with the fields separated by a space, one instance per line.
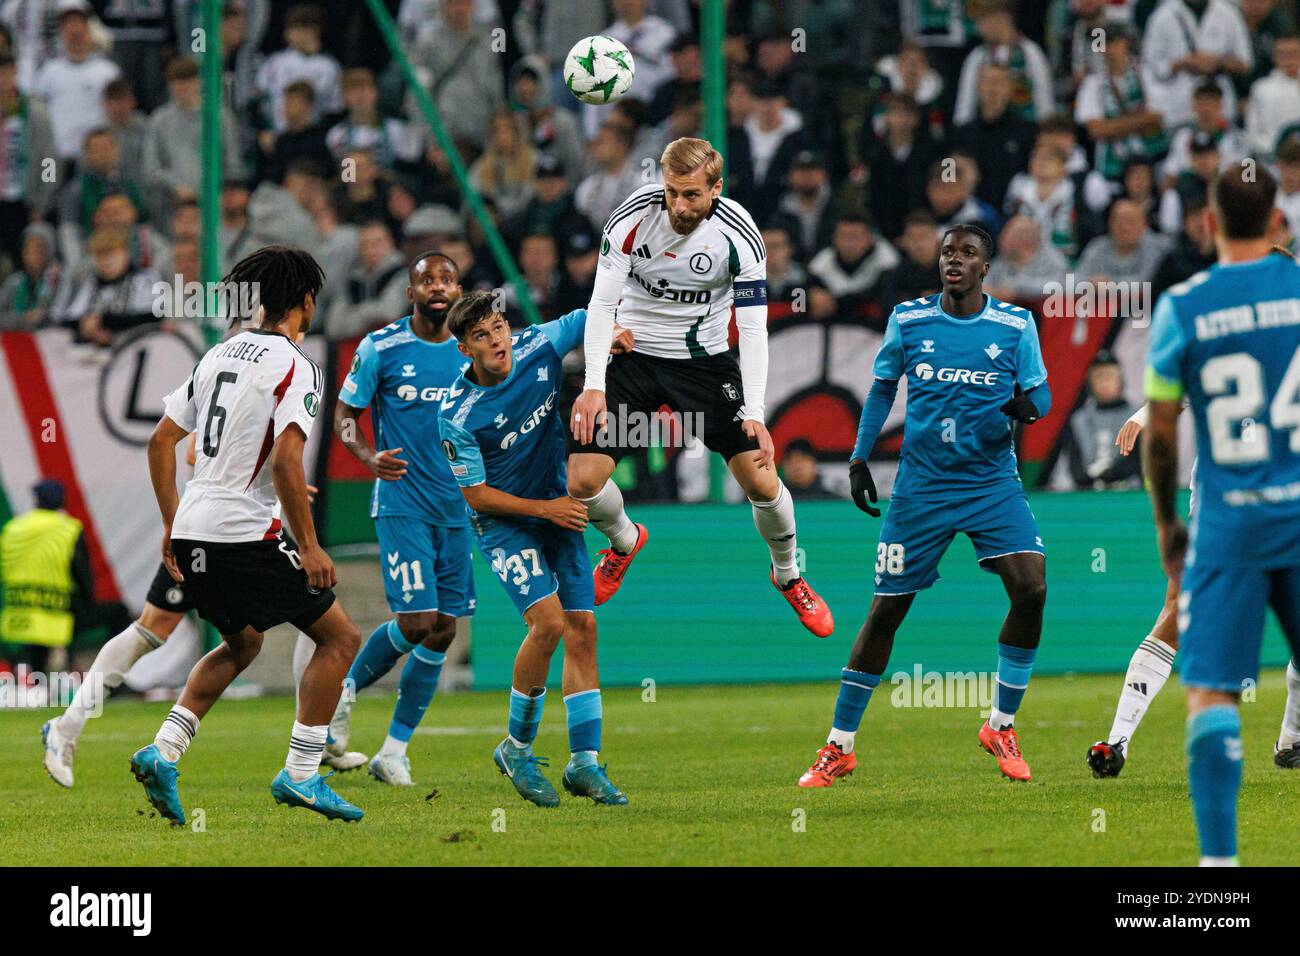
x=1004 y=745
x=831 y=762
x=608 y=574
x=807 y=603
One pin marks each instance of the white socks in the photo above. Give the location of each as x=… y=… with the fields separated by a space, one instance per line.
x=109 y=670
x=176 y=733
x=306 y=746
x=1147 y=673
x=1291 y=715
x=605 y=511
x=1000 y=721
x=842 y=739
x=393 y=746
x=775 y=522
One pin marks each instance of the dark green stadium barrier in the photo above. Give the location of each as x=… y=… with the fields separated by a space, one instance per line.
x=698 y=607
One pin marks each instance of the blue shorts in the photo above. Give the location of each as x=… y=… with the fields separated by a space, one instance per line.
x=534 y=561
x=1221 y=621
x=425 y=566
x=916 y=533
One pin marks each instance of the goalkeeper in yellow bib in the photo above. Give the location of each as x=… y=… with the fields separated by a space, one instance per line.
x=674 y=258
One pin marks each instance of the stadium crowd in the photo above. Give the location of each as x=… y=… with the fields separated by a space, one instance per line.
x=1080 y=133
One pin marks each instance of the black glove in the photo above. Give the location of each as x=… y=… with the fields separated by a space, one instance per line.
x=1020 y=408
x=863 y=487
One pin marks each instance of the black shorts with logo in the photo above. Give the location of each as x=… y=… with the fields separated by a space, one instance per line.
x=249 y=583
x=705 y=392
x=167 y=595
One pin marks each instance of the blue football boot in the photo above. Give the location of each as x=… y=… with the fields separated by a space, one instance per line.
x=158 y=774
x=314 y=794
x=590 y=780
x=524 y=771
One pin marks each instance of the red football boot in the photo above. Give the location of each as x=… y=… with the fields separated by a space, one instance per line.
x=807 y=603
x=608 y=574
x=1004 y=745
x=831 y=762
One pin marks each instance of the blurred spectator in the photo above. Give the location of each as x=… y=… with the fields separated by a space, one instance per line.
x=376 y=288
x=241 y=67
x=1031 y=76
x=1115 y=107
x=685 y=120
x=72 y=84
x=142 y=36
x=26 y=295
x=185 y=226
x=1024 y=263
x=462 y=72
x=336 y=252
x=687 y=74
x=390 y=141
x=233 y=220
x=1047 y=196
x=550 y=210
x=1128 y=252
x=361 y=195
x=474 y=276
x=1275 y=99
x=302 y=136
x=27 y=138
x=1187 y=42
x=649 y=39
x=284 y=214
x=775 y=135
x=432 y=181
x=1192 y=185
x=33 y=26
x=807 y=204
x=301 y=61
x=1288 y=187
x=1075 y=55
x=614 y=179
x=581 y=254
x=852 y=267
x=1207 y=121
x=551 y=131
x=785 y=276
x=428 y=227
x=1095 y=461
x=129 y=125
x=909 y=71
x=801 y=472
x=917 y=274
x=100 y=173
x=560 y=24
x=1193 y=250
x=950 y=192
x=1266 y=22
x=172 y=146
x=539 y=265
x=108 y=296
x=505 y=170
x=118 y=211
x=997 y=137
x=896 y=163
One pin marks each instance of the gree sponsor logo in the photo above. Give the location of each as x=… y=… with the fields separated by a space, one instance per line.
x=532 y=421
x=409 y=393
x=924 y=371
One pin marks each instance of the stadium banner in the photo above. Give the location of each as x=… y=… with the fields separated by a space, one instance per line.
x=83 y=415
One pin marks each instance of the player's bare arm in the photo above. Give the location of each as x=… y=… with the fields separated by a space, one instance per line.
x=291 y=488
x=1160 y=454
x=566 y=512
x=384 y=464
x=162 y=473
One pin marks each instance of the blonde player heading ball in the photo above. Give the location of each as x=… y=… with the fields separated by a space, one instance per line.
x=674 y=257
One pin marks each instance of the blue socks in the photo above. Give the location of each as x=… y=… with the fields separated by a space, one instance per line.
x=1015 y=664
x=525 y=715
x=381 y=651
x=582 y=711
x=1214 y=772
x=850 y=705
x=415 y=690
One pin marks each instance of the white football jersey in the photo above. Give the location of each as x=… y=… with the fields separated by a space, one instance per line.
x=239 y=398
x=677 y=291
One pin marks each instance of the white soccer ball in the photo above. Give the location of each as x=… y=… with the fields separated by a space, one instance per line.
x=599 y=70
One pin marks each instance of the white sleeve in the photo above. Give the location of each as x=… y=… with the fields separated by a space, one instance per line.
x=599 y=335
x=179 y=405
x=750 y=292
x=302 y=399
x=1139 y=418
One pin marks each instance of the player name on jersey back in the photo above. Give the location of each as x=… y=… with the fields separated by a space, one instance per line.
x=240 y=397
x=678 y=290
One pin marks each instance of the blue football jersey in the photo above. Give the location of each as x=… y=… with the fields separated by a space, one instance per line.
x=510 y=435
x=403 y=379
x=960 y=371
x=1229 y=339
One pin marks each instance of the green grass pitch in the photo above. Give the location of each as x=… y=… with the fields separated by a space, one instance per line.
x=710 y=772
